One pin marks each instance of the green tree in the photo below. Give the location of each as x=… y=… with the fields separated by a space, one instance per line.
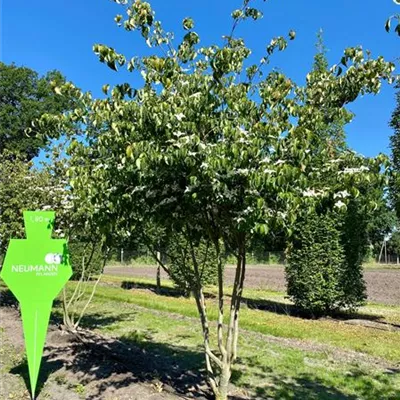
x=21 y=188
x=395 y=155
x=322 y=285
x=382 y=222
x=24 y=96
x=24 y=187
x=211 y=149
x=181 y=266
x=316 y=262
x=393 y=244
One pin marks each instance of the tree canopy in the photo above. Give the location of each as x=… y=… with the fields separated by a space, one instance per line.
x=24 y=97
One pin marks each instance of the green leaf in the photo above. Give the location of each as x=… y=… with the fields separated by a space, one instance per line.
x=188 y=24
x=118 y=19
x=105 y=88
x=130 y=66
x=237 y=14
x=111 y=64
x=129 y=151
x=387 y=25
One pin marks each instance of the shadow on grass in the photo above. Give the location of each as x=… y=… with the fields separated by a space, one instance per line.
x=259 y=304
x=308 y=386
x=293 y=311
x=163 y=291
x=263 y=304
x=92 y=320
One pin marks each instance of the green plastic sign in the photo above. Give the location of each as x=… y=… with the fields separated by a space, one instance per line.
x=35 y=269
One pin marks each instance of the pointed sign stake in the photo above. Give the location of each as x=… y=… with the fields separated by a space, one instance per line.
x=35 y=269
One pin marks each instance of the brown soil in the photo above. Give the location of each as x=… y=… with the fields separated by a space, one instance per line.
x=88 y=367
x=383 y=286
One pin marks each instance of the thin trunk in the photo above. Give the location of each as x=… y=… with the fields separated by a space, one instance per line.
x=79 y=292
x=220 y=327
x=158 y=277
x=76 y=295
x=239 y=301
x=210 y=357
x=66 y=320
x=88 y=302
x=380 y=254
x=232 y=316
x=158 y=260
x=386 y=259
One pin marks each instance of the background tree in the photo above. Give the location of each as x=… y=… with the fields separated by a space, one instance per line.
x=382 y=222
x=315 y=264
x=321 y=284
x=395 y=155
x=181 y=267
x=24 y=96
x=21 y=188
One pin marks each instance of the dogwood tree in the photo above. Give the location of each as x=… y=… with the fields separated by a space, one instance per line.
x=215 y=147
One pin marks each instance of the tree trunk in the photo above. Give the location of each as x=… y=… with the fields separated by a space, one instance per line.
x=158 y=278
x=224 y=383
x=219 y=368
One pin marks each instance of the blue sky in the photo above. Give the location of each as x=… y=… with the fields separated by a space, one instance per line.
x=45 y=35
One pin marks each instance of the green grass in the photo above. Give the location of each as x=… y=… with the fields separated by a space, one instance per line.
x=165 y=328
x=374 y=342
x=280 y=356
x=380 y=266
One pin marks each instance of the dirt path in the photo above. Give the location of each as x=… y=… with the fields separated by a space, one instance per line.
x=383 y=286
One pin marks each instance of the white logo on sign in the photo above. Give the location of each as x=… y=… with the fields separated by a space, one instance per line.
x=53 y=258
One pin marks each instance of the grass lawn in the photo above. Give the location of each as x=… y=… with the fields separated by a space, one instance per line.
x=280 y=356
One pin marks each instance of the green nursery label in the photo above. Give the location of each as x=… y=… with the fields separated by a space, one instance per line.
x=35 y=269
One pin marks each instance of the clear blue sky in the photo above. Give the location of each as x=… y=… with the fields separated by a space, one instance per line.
x=48 y=34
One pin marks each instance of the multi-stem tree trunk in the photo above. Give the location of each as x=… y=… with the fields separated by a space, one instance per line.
x=219 y=366
x=72 y=321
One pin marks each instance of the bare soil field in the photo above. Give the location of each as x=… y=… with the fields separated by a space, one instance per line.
x=383 y=285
